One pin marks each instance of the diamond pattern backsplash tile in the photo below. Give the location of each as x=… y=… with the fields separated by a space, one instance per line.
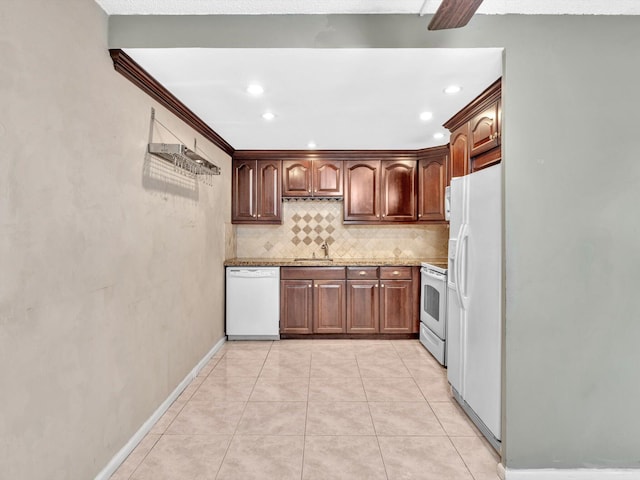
x=307 y=224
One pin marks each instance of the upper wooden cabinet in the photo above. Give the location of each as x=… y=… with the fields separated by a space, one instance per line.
x=256 y=196
x=476 y=133
x=398 y=191
x=362 y=191
x=459 y=146
x=432 y=181
x=484 y=130
x=311 y=178
x=380 y=191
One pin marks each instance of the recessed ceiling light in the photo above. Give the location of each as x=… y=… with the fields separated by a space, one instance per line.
x=268 y=116
x=311 y=145
x=451 y=89
x=438 y=135
x=424 y=116
x=255 y=89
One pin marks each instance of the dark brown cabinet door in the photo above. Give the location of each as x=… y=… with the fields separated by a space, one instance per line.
x=398 y=191
x=361 y=195
x=484 y=130
x=255 y=192
x=432 y=181
x=396 y=306
x=329 y=301
x=363 y=300
x=269 y=196
x=327 y=178
x=244 y=191
x=296 y=178
x=296 y=300
x=459 y=149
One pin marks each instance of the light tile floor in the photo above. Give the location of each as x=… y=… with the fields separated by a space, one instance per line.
x=315 y=409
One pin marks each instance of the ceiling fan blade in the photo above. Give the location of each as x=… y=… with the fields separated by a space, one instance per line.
x=453 y=14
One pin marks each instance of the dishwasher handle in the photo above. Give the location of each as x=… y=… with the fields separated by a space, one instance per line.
x=253 y=272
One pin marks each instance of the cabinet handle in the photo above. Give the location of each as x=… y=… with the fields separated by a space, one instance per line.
x=362 y=273
x=309 y=190
x=254 y=215
x=316 y=286
x=309 y=286
x=376 y=285
x=382 y=285
x=258 y=215
x=419 y=215
x=383 y=215
x=396 y=272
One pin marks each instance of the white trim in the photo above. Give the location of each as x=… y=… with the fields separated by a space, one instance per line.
x=137 y=437
x=573 y=474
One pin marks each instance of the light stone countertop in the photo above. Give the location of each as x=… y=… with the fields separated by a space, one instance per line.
x=337 y=262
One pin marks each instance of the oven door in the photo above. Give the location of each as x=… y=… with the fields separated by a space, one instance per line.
x=433 y=301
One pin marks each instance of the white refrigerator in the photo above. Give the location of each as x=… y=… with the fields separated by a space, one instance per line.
x=475 y=298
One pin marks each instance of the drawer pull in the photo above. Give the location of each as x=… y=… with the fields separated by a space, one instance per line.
x=362 y=273
x=396 y=272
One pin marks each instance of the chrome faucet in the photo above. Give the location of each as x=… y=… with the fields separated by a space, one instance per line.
x=325 y=247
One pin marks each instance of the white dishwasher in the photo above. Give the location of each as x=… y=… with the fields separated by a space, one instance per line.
x=253 y=303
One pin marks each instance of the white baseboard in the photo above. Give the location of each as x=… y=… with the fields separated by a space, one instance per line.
x=572 y=474
x=137 y=437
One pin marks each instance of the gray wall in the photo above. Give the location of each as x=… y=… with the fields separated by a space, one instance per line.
x=111 y=278
x=572 y=187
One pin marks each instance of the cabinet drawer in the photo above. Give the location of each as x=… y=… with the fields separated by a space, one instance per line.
x=362 y=273
x=395 y=273
x=312 y=273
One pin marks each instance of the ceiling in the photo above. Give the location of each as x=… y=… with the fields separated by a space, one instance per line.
x=335 y=98
x=262 y=7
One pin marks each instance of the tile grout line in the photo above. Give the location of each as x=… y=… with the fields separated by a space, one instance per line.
x=242 y=414
x=375 y=431
x=306 y=416
x=461 y=457
x=160 y=435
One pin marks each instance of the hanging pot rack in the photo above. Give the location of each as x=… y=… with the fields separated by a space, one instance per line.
x=178 y=154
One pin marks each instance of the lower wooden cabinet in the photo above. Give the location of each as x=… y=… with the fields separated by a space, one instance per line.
x=312 y=300
x=329 y=301
x=396 y=306
x=363 y=300
x=355 y=300
x=296 y=301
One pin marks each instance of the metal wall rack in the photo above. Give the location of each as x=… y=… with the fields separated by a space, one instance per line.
x=183 y=158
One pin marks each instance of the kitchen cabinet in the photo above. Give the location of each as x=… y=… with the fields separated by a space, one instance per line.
x=296 y=301
x=354 y=301
x=256 y=195
x=432 y=181
x=378 y=191
x=397 y=309
x=484 y=130
x=362 y=191
x=329 y=301
x=476 y=133
x=384 y=304
x=363 y=300
x=311 y=178
x=312 y=300
x=398 y=191
x=459 y=146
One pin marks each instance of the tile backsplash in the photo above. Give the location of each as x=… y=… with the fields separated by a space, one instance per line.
x=306 y=224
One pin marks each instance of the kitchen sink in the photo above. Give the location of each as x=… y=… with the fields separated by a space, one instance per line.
x=313 y=259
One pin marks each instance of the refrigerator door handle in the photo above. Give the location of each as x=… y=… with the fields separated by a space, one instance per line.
x=462 y=266
x=458 y=268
